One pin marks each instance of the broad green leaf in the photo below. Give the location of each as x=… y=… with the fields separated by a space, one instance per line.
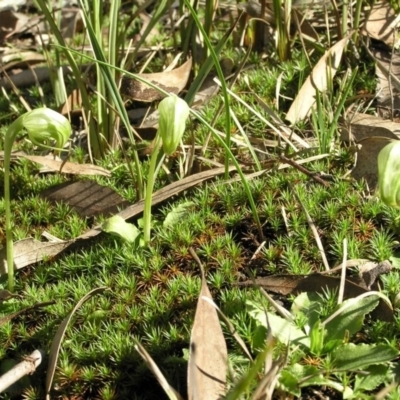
x=297 y=376
x=178 y=213
x=376 y=375
x=116 y=225
x=351 y=319
x=352 y=356
x=285 y=331
x=307 y=304
x=395 y=260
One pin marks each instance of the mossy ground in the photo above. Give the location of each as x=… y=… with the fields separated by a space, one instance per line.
x=151 y=293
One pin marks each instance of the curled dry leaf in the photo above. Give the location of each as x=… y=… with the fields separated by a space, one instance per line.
x=363 y=126
x=381 y=23
x=208 y=356
x=20 y=59
x=65 y=167
x=171 y=81
x=11 y=22
x=87 y=198
x=31 y=76
x=387 y=70
x=321 y=74
x=30 y=251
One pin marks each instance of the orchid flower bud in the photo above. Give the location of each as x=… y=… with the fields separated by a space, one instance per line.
x=389 y=174
x=173 y=115
x=45 y=127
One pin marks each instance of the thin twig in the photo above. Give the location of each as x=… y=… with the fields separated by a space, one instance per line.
x=300 y=168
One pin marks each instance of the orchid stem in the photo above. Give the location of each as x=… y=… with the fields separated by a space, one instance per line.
x=149 y=191
x=9 y=138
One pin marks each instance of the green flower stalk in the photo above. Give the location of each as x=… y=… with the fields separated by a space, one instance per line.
x=173 y=113
x=45 y=127
x=389 y=174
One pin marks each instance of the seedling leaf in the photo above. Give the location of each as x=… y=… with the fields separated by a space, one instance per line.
x=116 y=225
x=285 y=331
x=352 y=356
x=177 y=213
x=352 y=317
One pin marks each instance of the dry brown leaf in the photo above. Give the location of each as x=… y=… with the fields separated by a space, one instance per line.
x=323 y=72
x=87 y=198
x=18 y=59
x=30 y=251
x=67 y=167
x=73 y=102
x=6 y=295
x=367 y=160
x=370 y=271
x=171 y=81
x=381 y=23
x=363 y=126
x=11 y=22
x=304 y=25
x=287 y=284
x=71 y=22
x=387 y=94
x=30 y=77
x=208 y=358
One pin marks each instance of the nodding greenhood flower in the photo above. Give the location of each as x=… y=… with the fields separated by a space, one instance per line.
x=171 y=125
x=389 y=174
x=45 y=126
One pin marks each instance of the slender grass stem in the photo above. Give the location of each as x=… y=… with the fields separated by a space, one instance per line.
x=221 y=78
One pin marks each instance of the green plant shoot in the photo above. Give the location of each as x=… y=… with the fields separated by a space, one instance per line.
x=173 y=115
x=389 y=174
x=45 y=128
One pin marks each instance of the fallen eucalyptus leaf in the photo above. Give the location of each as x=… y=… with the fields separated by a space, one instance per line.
x=363 y=126
x=381 y=23
x=208 y=357
x=323 y=72
x=171 y=81
x=367 y=160
x=30 y=251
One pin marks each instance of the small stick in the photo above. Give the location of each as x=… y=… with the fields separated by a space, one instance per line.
x=25 y=367
x=304 y=170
